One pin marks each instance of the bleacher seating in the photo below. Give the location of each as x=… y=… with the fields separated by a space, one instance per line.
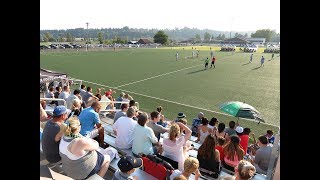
x=110 y=139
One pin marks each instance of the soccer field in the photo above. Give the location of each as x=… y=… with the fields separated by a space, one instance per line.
x=153 y=77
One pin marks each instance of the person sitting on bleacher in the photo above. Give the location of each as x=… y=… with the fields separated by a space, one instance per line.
x=126 y=98
x=244 y=137
x=203 y=130
x=270 y=136
x=88 y=97
x=244 y=170
x=231 y=130
x=195 y=123
x=56 y=93
x=181 y=177
x=108 y=94
x=120 y=98
x=50 y=94
x=64 y=94
x=209 y=157
x=75 y=95
x=162 y=121
x=233 y=153
x=123 y=112
x=213 y=124
x=262 y=158
x=82 y=90
x=221 y=132
x=136 y=113
x=175 y=146
x=79 y=155
x=52 y=133
x=123 y=128
x=91 y=124
x=157 y=129
x=221 y=141
x=181 y=115
x=191 y=165
x=76 y=107
x=144 y=140
x=127 y=166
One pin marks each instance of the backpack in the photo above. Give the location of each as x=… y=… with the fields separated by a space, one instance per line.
x=156 y=167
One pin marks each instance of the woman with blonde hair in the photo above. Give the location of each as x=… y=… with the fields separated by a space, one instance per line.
x=233 y=153
x=191 y=165
x=79 y=155
x=175 y=146
x=244 y=170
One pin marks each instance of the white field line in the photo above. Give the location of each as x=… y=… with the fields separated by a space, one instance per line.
x=158 y=75
x=186 y=105
x=163 y=74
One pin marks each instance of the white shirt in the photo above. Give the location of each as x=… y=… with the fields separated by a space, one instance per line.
x=124 y=127
x=63 y=95
x=175 y=173
x=174 y=150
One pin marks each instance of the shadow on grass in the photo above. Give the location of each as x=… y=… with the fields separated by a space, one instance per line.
x=196 y=71
x=256 y=68
x=246 y=64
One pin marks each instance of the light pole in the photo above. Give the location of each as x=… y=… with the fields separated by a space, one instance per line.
x=87 y=36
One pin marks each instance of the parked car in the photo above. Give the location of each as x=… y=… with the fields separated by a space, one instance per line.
x=67 y=46
x=44 y=47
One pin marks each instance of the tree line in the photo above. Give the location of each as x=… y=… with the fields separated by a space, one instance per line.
x=125 y=34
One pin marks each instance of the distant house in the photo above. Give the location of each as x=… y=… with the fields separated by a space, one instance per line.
x=144 y=41
x=191 y=40
x=257 y=41
x=235 y=41
x=132 y=42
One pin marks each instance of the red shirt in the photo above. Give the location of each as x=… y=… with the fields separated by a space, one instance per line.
x=213 y=59
x=219 y=148
x=244 y=141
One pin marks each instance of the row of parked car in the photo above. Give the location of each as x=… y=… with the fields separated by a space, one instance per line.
x=61 y=46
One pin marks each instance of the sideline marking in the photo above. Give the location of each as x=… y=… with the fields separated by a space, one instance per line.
x=158 y=75
x=175 y=102
x=164 y=74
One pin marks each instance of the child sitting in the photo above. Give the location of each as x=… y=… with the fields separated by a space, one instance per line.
x=127 y=165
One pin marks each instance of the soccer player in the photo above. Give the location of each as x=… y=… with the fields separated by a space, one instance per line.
x=206 y=63
x=212 y=62
x=262 y=61
x=177 y=56
x=251 y=56
x=272 y=56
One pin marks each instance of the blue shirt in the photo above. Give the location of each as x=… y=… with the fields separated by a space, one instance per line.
x=196 y=122
x=88 y=118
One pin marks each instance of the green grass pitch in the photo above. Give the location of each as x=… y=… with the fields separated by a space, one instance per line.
x=153 y=77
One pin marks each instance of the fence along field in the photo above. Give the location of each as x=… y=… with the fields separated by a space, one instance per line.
x=153 y=77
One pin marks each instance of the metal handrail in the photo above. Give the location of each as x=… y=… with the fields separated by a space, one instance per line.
x=55 y=99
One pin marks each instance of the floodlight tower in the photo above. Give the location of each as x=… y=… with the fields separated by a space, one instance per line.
x=87 y=36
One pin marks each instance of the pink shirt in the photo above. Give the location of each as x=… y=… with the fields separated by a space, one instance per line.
x=233 y=163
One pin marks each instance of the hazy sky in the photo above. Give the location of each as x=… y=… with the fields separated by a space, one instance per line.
x=225 y=15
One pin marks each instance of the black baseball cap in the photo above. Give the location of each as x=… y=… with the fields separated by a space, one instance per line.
x=126 y=163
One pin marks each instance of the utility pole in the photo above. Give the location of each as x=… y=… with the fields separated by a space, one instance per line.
x=87 y=36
